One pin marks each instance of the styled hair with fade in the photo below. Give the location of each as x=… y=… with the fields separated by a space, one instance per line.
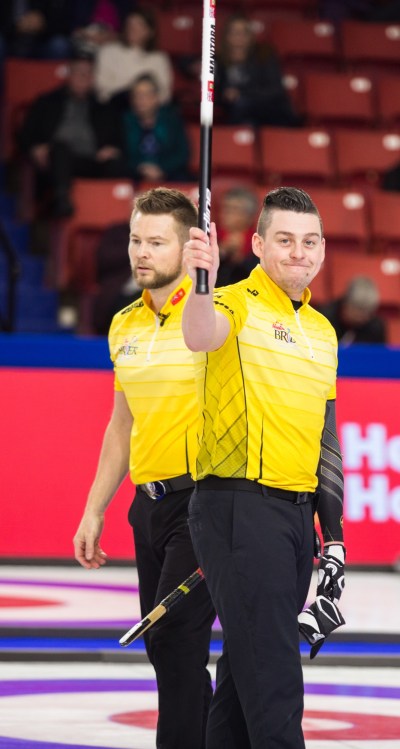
x=286 y=199
x=165 y=200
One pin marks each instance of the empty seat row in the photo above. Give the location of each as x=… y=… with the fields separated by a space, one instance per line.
x=355 y=221
x=350 y=43
x=339 y=157
x=357 y=99
x=349 y=218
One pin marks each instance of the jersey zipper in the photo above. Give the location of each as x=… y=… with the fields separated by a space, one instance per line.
x=153 y=338
x=307 y=340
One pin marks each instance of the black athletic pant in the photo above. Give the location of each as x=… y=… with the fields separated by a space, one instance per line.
x=257 y=555
x=177 y=646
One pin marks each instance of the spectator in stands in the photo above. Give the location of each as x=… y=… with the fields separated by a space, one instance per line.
x=155 y=138
x=237 y=219
x=122 y=61
x=35 y=28
x=248 y=81
x=68 y=133
x=354 y=315
x=391 y=179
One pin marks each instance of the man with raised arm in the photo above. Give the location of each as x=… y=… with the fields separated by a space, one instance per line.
x=266 y=369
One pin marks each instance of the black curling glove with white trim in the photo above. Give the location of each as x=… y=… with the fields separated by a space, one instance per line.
x=331 y=572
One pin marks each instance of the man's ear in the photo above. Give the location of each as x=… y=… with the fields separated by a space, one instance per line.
x=257 y=244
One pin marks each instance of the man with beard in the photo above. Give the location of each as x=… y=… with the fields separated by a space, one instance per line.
x=152 y=433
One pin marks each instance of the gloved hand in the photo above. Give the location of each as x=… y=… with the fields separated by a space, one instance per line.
x=331 y=572
x=318 y=621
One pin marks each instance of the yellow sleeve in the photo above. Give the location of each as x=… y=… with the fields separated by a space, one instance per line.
x=117 y=384
x=231 y=302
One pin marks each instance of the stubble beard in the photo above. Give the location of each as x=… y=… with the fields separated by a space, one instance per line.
x=159 y=279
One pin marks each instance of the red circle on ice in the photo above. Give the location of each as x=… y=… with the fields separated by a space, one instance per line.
x=20 y=602
x=321 y=725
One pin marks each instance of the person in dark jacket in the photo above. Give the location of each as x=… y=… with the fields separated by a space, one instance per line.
x=248 y=79
x=155 y=137
x=68 y=133
x=354 y=315
x=35 y=28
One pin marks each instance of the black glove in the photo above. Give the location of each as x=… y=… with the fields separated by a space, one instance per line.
x=318 y=621
x=331 y=572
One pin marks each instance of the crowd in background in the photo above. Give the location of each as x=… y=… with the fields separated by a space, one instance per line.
x=117 y=113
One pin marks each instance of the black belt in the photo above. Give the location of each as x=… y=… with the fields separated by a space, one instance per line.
x=246 y=485
x=158 y=489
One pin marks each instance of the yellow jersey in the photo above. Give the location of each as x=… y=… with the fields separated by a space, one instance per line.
x=154 y=369
x=263 y=393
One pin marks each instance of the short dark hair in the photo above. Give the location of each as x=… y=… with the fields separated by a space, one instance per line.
x=146 y=78
x=147 y=15
x=286 y=199
x=160 y=200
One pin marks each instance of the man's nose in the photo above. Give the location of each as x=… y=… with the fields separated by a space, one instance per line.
x=142 y=249
x=297 y=249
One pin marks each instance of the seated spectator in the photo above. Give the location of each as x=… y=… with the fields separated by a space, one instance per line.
x=95 y=22
x=248 y=80
x=354 y=315
x=121 y=62
x=156 y=143
x=237 y=219
x=68 y=133
x=391 y=179
x=35 y=28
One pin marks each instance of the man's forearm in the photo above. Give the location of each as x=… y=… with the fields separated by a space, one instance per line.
x=112 y=468
x=199 y=322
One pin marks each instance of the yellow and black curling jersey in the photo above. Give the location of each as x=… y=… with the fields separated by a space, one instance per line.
x=154 y=369
x=263 y=393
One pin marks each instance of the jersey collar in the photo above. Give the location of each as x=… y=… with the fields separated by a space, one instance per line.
x=264 y=283
x=174 y=300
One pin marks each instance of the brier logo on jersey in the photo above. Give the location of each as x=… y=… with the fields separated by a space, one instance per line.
x=281 y=333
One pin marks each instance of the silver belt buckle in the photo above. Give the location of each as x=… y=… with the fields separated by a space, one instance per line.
x=154 y=489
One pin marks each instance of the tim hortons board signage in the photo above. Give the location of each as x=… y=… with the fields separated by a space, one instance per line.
x=63 y=414
x=369 y=434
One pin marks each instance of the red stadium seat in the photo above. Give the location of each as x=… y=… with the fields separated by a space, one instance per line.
x=301 y=156
x=388 y=94
x=98 y=204
x=365 y=156
x=179 y=31
x=339 y=98
x=385 y=221
x=344 y=215
x=371 y=43
x=305 y=41
x=24 y=80
x=384 y=270
x=233 y=150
